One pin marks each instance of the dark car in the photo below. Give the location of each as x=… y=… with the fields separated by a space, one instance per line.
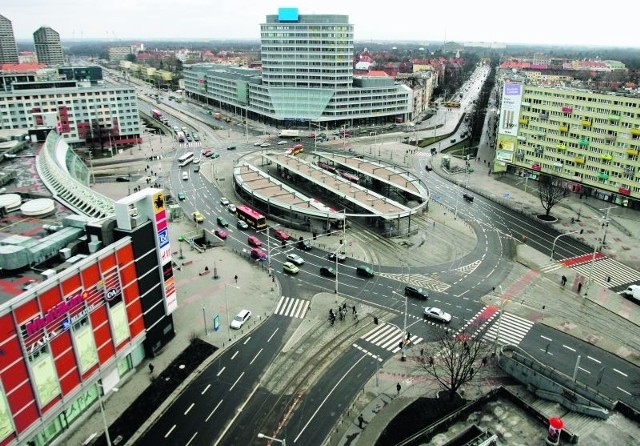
x=123 y=179
x=412 y=291
x=327 y=272
x=468 y=197
x=305 y=245
x=231 y=148
x=365 y=271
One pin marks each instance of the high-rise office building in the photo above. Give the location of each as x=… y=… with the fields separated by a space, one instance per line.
x=8 y=48
x=48 y=47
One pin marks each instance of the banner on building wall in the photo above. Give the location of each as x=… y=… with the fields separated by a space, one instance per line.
x=510 y=109
x=119 y=323
x=161 y=226
x=45 y=379
x=6 y=420
x=85 y=347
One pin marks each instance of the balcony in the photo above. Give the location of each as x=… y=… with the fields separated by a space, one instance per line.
x=580 y=160
x=584 y=142
x=525 y=104
x=563 y=128
x=635 y=132
x=561 y=147
x=632 y=152
x=614 y=118
x=523 y=121
x=567 y=110
x=606 y=157
x=544 y=115
x=610 y=137
x=585 y=123
x=521 y=138
x=625 y=191
x=603 y=176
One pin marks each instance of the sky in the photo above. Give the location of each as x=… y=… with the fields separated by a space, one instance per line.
x=548 y=22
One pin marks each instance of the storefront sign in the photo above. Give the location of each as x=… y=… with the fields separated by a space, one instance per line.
x=40 y=322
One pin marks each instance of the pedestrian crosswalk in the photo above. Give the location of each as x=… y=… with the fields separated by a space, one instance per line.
x=509 y=329
x=388 y=337
x=609 y=273
x=292 y=307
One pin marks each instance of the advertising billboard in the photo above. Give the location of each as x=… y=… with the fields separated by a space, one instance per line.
x=510 y=109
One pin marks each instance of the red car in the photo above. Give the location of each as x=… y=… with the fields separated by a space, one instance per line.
x=206 y=152
x=252 y=240
x=220 y=233
x=258 y=254
x=281 y=235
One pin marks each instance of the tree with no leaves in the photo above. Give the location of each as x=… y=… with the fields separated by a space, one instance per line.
x=454 y=360
x=551 y=191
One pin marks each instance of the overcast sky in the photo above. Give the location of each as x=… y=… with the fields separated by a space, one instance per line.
x=542 y=21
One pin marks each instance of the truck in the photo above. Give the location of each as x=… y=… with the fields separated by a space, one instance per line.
x=633 y=291
x=180 y=136
x=290 y=133
x=156 y=114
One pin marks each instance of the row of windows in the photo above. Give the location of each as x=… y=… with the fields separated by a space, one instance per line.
x=305 y=43
x=614 y=101
x=309 y=28
x=576 y=110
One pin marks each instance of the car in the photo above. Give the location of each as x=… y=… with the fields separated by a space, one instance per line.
x=195 y=136
x=295 y=258
x=220 y=233
x=196 y=161
x=282 y=143
x=214 y=155
x=196 y=168
x=240 y=319
x=327 y=272
x=252 y=240
x=206 y=152
x=222 y=222
x=289 y=267
x=257 y=144
x=29 y=284
x=304 y=245
x=120 y=179
x=265 y=144
x=224 y=201
x=185 y=176
x=468 y=197
x=258 y=254
x=281 y=235
x=241 y=224
x=453 y=140
x=232 y=208
x=412 y=291
x=197 y=217
x=231 y=148
x=181 y=196
x=437 y=314
x=365 y=271
x=341 y=256
x=188 y=137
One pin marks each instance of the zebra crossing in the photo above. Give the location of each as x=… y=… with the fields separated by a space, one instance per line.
x=388 y=337
x=609 y=273
x=292 y=307
x=509 y=329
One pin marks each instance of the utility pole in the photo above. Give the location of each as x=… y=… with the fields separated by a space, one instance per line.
x=596 y=245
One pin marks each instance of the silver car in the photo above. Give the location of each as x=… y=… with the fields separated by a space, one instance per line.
x=437 y=314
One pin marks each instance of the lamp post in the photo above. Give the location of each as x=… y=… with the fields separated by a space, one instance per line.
x=553 y=247
x=104 y=418
x=404 y=328
x=226 y=304
x=283 y=442
x=605 y=226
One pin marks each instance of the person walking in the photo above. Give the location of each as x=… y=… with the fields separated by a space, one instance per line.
x=398 y=388
x=236 y=278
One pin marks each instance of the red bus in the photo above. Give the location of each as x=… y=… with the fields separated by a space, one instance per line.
x=253 y=218
x=349 y=176
x=326 y=166
x=298 y=148
x=156 y=114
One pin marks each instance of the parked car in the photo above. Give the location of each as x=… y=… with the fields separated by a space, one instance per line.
x=241 y=224
x=341 y=256
x=197 y=216
x=258 y=254
x=412 y=291
x=281 y=235
x=327 y=272
x=224 y=201
x=220 y=233
x=222 y=222
x=289 y=267
x=252 y=240
x=437 y=314
x=240 y=319
x=295 y=258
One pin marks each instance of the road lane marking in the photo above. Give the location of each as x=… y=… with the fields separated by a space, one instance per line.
x=569 y=348
x=189 y=409
x=170 y=430
x=273 y=334
x=205 y=389
x=585 y=370
x=236 y=382
x=622 y=373
x=546 y=338
x=236 y=354
x=191 y=439
x=221 y=370
x=622 y=390
x=214 y=409
x=594 y=360
x=246 y=340
x=255 y=357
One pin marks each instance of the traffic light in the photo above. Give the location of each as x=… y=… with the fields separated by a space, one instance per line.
x=375 y=320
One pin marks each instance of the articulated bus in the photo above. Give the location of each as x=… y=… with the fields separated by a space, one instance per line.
x=253 y=218
x=185 y=159
x=349 y=176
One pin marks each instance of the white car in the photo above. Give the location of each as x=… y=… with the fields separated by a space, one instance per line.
x=240 y=319
x=185 y=176
x=282 y=143
x=224 y=201
x=231 y=207
x=295 y=258
x=265 y=144
x=257 y=144
x=437 y=314
x=196 y=161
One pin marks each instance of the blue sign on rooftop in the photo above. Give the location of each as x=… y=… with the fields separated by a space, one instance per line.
x=288 y=14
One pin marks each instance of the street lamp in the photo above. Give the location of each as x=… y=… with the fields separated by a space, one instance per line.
x=605 y=226
x=283 y=442
x=553 y=247
x=104 y=418
x=226 y=304
x=404 y=329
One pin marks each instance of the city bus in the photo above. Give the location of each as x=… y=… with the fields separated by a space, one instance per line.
x=180 y=136
x=253 y=218
x=298 y=148
x=185 y=159
x=156 y=114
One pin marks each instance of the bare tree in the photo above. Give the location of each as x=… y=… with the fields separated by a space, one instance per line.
x=454 y=360
x=551 y=191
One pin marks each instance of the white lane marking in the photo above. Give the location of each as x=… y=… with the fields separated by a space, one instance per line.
x=594 y=360
x=189 y=408
x=191 y=439
x=246 y=340
x=236 y=382
x=273 y=334
x=214 y=409
x=170 y=430
x=256 y=356
x=546 y=338
x=221 y=370
x=585 y=370
x=622 y=390
x=622 y=373
x=234 y=355
x=205 y=389
x=569 y=348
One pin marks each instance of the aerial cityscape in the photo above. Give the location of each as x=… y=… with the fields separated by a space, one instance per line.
x=318 y=225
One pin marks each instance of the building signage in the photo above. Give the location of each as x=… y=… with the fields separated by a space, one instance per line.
x=40 y=322
x=510 y=109
x=111 y=294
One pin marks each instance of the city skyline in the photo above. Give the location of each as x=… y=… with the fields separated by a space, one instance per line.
x=548 y=23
